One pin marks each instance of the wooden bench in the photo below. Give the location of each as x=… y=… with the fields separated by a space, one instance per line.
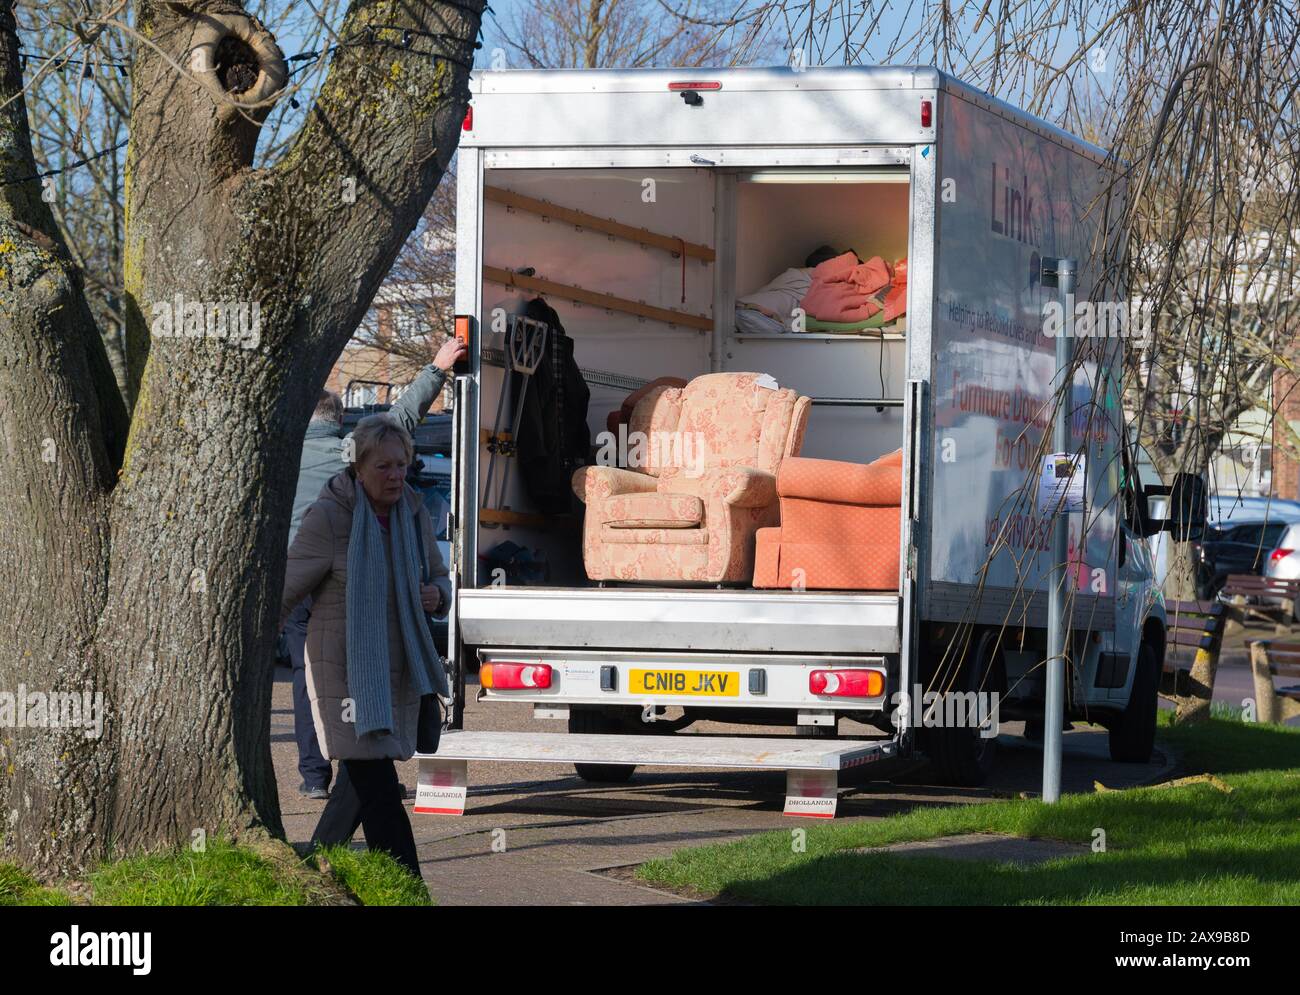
x=1269 y=598
x=1269 y=659
x=1196 y=625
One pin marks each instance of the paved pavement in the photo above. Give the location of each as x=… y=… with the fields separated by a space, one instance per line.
x=535 y=834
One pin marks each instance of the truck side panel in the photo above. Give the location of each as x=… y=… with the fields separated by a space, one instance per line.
x=1008 y=197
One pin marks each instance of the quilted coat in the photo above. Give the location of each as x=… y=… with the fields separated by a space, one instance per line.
x=318 y=566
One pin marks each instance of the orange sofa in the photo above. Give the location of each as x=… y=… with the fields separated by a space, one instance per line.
x=689 y=513
x=839 y=526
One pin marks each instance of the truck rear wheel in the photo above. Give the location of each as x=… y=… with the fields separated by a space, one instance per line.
x=1133 y=733
x=961 y=756
x=594 y=721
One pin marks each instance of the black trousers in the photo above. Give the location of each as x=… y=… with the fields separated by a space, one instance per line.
x=315 y=769
x=367 y=794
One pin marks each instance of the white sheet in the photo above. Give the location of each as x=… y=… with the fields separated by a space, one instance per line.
x=771 y=308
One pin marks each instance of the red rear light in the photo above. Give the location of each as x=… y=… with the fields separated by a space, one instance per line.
x=468 y=123
x=514 y=676
x=926 y=108
x=847 y=683
x=698 y=85
x=1279 y=554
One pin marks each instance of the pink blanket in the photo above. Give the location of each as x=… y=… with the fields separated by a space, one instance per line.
x=845 y=290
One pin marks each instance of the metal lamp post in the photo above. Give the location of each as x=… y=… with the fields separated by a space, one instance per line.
x=1061 y=273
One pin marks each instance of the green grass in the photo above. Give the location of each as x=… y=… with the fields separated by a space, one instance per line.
x=375 y=877
x=1182 y=845
x=223 y=874
x=226 y=874
x=17 y=888
x=1225 y=710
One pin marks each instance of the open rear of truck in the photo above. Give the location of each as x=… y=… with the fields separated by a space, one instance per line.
x=663 y=303
x=646 y=208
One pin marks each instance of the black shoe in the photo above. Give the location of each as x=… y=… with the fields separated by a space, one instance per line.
x=316 y=794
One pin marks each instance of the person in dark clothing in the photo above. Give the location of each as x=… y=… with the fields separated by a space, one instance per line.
x=323 y=457
x=314 y=769
x=367 y=554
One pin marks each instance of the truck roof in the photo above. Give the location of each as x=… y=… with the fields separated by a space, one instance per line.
x=774 y=79
x=762 y=78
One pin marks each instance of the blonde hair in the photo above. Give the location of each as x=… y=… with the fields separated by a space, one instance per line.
x=373 y=431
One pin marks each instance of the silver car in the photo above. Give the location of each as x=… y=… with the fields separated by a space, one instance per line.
x=1284 y=560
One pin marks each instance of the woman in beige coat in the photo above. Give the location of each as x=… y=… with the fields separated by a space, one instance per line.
x=364 y=553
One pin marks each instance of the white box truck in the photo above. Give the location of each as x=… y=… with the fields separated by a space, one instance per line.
x=641 y=206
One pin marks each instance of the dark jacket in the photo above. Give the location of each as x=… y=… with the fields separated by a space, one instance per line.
x=554 y=439
x=322 y=448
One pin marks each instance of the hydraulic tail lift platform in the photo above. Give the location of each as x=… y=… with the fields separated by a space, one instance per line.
x=812 y=766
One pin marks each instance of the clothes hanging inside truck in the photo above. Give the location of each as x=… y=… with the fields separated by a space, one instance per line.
x=554 y=439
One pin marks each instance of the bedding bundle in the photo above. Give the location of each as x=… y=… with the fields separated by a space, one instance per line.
x=838 y=294
x=846 y=290
x=771 y=308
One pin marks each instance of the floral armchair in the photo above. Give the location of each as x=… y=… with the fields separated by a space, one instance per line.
x=701 y=481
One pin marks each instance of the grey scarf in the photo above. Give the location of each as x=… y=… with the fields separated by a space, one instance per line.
x=367 y=614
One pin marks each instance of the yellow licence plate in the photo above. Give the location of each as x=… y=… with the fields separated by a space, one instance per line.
x=718 y=684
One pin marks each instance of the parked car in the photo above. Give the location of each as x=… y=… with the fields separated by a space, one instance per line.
x=1223 y=508
x=1236 y=548
x=1284 y=560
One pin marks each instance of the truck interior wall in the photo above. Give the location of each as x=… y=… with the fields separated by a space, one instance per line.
x=605 y=339
x=781 y=223
x=776 y=226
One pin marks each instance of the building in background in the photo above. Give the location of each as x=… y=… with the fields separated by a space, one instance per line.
x=399 y=336
x=1284 y=428
x=1243 y=464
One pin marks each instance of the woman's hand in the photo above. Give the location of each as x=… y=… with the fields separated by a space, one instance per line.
x=431 y=598
x=451 y=352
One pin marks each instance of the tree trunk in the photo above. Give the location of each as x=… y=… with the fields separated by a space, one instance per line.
x=151 y=568
x=1180 y=582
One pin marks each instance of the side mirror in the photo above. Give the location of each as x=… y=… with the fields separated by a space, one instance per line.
x=1185 y=508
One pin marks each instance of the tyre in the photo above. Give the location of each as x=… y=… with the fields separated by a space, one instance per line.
x=1133 y=733
x=592 y=720
x=961 y=756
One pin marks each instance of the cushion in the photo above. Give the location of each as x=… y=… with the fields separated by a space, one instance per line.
x=878 y=484
x=738 y=420
x=845 y=327
x=655 y=537
x=623 y=414
x=653 y=510
x=656 y=416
